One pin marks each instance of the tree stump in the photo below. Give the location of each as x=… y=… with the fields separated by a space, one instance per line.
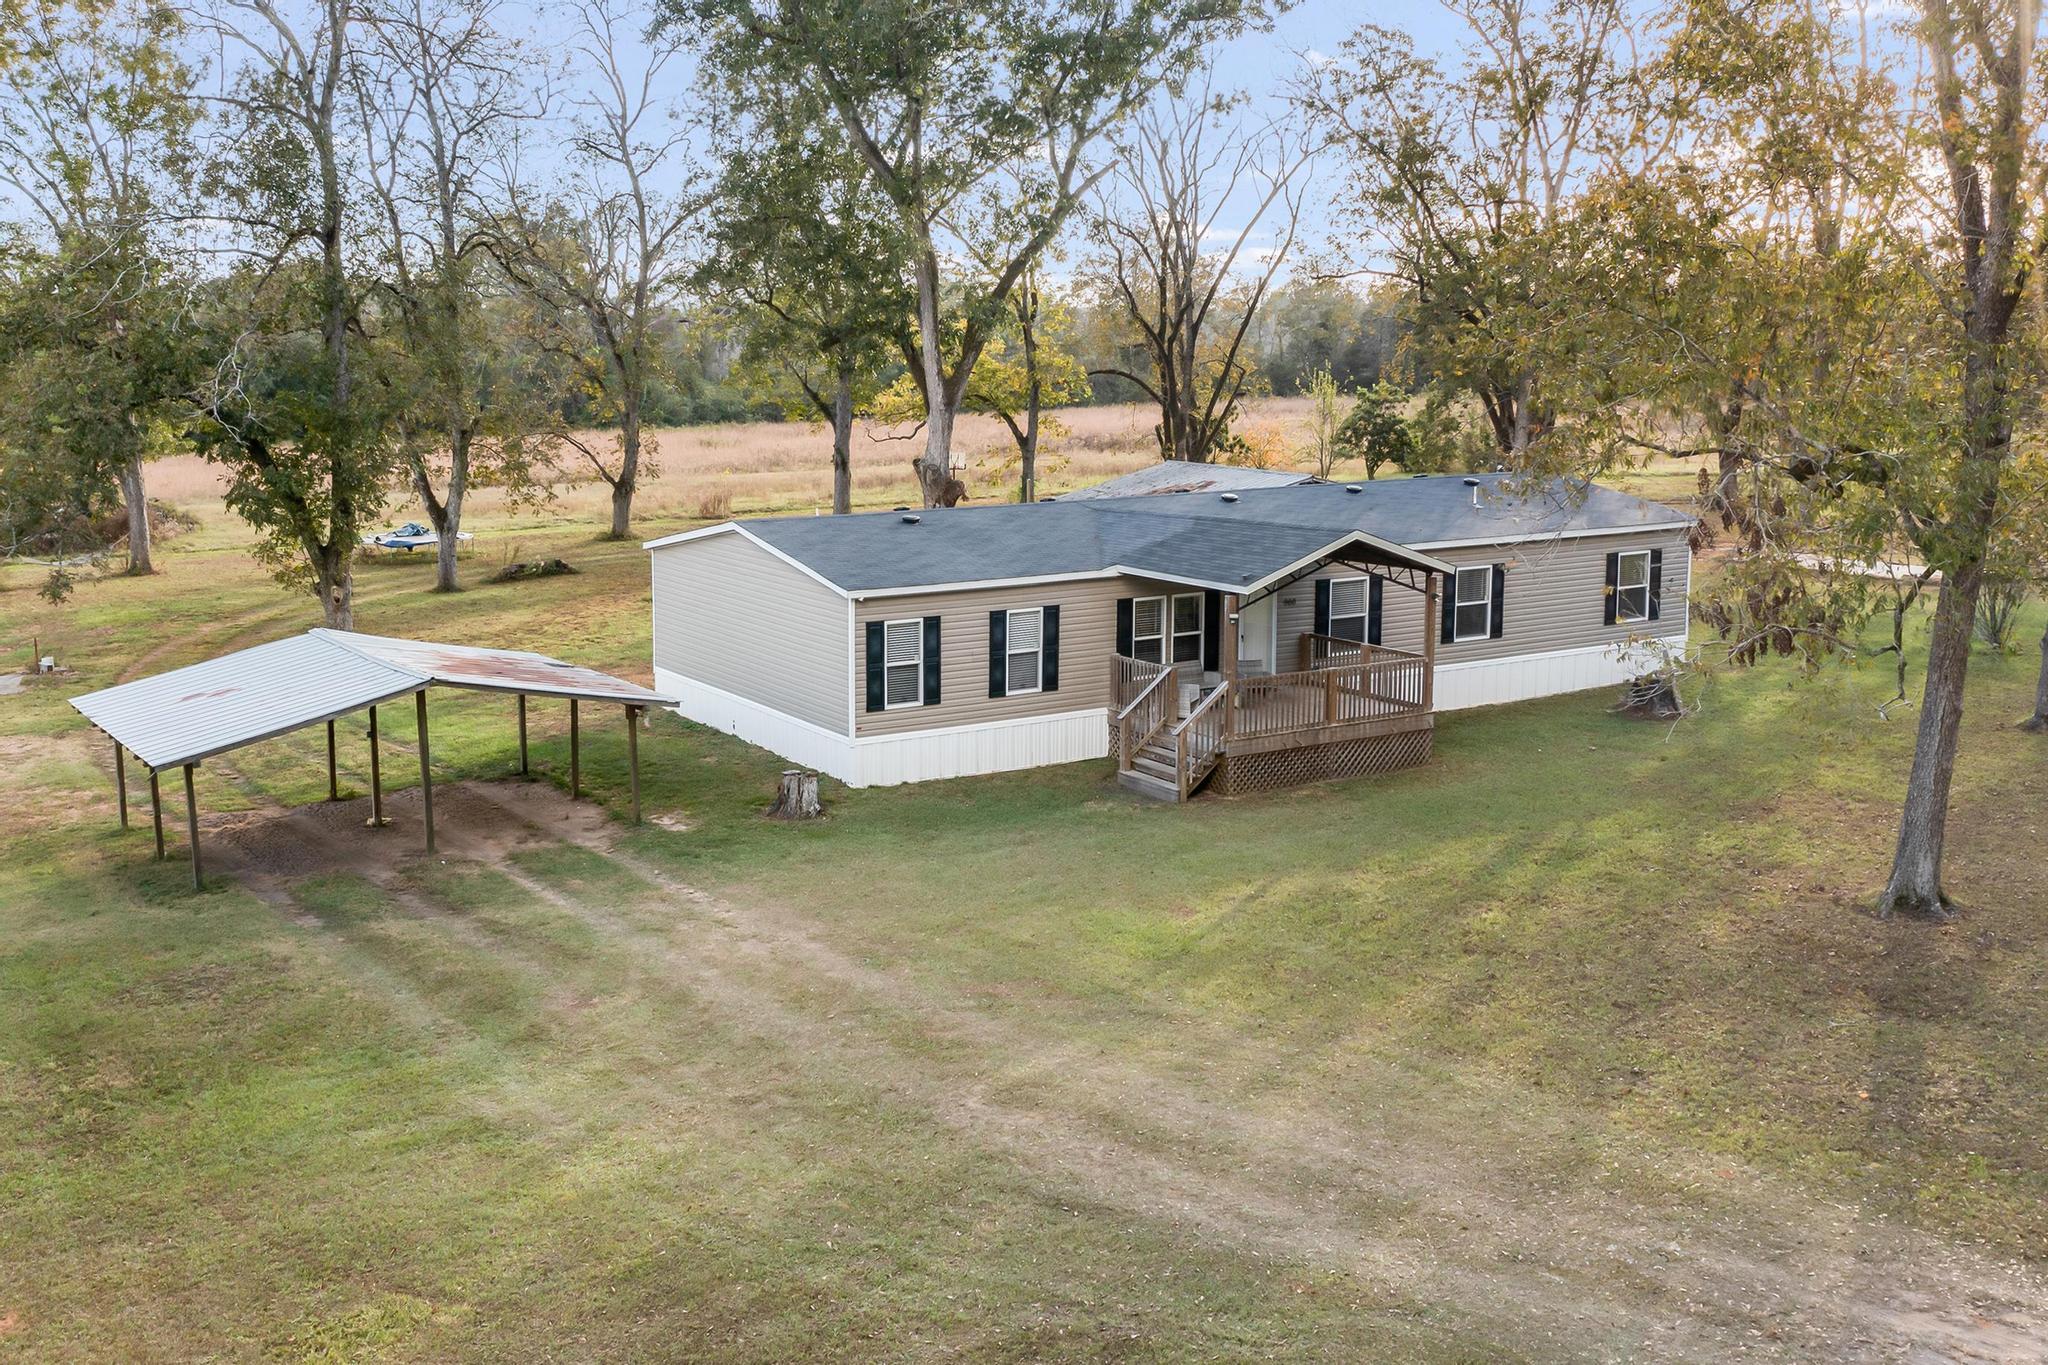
x=796 y=796
x=1654 y=696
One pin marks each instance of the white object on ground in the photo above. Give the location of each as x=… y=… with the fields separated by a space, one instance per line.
x=1863 y=568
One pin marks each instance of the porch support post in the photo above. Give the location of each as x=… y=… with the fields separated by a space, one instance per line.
x=522 y=735
x=633 y=756
x=1431 y=623
x=426 y=770
x=192 y=827
x=377 y=820
x=1231 y=603
x=156 y=813
x=121 y=782
x=333 y=786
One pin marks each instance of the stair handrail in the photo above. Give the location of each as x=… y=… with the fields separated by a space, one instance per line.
x=1185 y=775
x=1127 y=745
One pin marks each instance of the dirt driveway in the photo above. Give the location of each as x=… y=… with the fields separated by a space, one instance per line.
x=1470 y=1200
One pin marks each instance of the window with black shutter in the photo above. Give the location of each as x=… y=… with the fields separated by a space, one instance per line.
x=903 y=663
x=1632 y=586
x=1023 y=651
x=1350 y=608
x=1472 y=615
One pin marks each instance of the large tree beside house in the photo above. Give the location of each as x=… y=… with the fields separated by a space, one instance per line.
x=937 y=99
x=1453 y=171
x=805 y=253
x=294 y=405
x=1830 y=309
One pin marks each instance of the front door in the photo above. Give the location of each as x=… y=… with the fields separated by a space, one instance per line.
x=1255 y=635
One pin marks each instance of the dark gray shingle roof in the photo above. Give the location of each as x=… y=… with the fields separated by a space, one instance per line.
x=1203 y=537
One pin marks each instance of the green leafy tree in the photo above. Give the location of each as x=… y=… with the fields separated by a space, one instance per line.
x=1830 y=306
x=808 y=255
x=95 y=132
x=298 y=405
x=937 y=98
x=1026 y=368
x=1454 y=173
x=440 y=92
x=1376 y=430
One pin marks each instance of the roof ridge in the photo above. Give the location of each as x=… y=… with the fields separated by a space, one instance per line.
x=332 y=636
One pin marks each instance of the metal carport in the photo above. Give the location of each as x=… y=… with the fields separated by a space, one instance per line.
x=181 y=718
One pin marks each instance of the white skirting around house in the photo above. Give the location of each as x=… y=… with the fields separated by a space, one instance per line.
x=1521 y=677
x=885 y=760
x=799 y=741
x=1071 y=736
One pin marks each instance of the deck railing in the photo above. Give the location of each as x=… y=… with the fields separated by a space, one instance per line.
x=1333 y=651
x=1338 y=694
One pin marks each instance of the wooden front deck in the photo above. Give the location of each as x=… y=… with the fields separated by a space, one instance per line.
x=1355 y=708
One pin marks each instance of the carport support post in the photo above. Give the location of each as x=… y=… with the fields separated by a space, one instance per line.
x=522 y=735
x=333 y=787
x=575 y=754
x=192 y=827
x=156 y=814
x=633 y=756
x=121 y=782
x=426 y=772
x=377 y=820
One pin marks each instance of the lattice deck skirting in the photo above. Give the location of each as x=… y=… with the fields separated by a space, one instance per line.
x=1240 y=773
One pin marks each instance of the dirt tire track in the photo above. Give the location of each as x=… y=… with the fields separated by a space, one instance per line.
x=1824 y=1284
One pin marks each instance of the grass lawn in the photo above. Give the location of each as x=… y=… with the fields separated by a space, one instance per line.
x=1576 y=1043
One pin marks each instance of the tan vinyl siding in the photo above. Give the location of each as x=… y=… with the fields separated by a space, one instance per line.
x=730 y=614
x=1087 y=650
x=1555 y=598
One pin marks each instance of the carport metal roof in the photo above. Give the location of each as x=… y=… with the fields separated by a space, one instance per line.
x=192 y=713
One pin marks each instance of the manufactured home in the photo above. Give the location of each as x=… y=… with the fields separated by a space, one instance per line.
x=1242 y=639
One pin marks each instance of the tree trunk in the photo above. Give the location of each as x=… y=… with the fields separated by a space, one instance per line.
x=137 y=498
x=629 y=471
x=1027 y=457
x=2038 y=722
x=449 y=527
x=935 y=464
x=1915 y=887
x=842 y=443
x=334 y=581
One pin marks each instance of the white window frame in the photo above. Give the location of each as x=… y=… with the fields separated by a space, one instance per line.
x=1165 y=635
x=1363 y=615
x=916 y=623
x=1458 y=603
x=1010 y=688
x=1174 y=634
x=1621 y=590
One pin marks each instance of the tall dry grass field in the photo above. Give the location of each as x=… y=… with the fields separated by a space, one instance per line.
x=758 y=467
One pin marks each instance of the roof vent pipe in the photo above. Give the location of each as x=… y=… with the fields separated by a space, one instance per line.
x=1473 y=484
x=912 y=520
x=1230 y=497
x=1353 y=488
